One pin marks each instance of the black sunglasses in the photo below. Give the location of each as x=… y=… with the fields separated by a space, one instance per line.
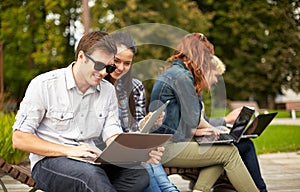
x=99 y=65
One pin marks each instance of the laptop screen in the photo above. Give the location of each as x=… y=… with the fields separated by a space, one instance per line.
x=260 y=123
x=241 y=122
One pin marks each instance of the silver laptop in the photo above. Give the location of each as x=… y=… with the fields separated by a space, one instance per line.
x=129 y=148
x=235 y=133
x=258 y=125
x=154 y=116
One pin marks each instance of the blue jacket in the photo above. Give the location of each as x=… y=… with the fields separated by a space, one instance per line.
x=183 y=112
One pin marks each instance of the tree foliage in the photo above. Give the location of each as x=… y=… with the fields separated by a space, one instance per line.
x=181 y=14
x=37 y=36
x=259 y=43
x=257 y=40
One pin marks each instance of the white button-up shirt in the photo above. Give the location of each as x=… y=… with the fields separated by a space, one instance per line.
x=55 y=110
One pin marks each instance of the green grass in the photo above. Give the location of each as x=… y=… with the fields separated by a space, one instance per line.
x=284 y=113
x=281 y=113
x=271 y=141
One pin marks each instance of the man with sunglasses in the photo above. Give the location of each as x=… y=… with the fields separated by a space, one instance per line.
x=63 y=111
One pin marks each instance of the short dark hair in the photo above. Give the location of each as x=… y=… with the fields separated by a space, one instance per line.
x=96 y=40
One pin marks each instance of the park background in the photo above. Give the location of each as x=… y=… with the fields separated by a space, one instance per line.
x=257 y=40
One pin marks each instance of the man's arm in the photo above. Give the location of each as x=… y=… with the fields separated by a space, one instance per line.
x=33 y=144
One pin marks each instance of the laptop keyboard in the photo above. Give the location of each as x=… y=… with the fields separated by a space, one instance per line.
x=224 y=137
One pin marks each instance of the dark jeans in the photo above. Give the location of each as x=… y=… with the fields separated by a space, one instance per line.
x=247 y=152
x=62 y=174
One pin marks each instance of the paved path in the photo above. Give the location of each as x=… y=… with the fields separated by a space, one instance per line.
x=286 y=121
x=281 y=172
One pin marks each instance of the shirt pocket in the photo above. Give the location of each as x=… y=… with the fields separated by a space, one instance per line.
x=101 y=117
x=61 y=120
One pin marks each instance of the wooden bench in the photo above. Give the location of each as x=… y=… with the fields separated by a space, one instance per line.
x=21 y=173
x=293 y=106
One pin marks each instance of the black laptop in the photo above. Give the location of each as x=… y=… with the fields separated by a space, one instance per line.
x=235 y=133
x=258 y=125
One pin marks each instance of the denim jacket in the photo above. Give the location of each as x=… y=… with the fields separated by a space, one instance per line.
x=183 y=112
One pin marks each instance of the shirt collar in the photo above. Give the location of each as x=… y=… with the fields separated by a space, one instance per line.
x=179 y=63
x=69 y=77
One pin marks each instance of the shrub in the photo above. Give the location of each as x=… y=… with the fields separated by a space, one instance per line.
x=6 y=103
x=7 y=152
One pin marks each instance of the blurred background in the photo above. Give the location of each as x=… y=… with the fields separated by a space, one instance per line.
x=258 y=41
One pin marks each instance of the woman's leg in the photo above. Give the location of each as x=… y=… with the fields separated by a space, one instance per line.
x=153 y=185
x=161 y=179
x=190 y=154
x=211 y=174
x=247 y=152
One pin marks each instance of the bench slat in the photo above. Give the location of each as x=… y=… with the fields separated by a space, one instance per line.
x=292 y=106
x=18 y=172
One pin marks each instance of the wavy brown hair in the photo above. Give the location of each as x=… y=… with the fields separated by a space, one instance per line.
x=196 y=52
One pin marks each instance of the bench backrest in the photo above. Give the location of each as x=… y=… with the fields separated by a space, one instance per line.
x=237 y=104
x=293 y=105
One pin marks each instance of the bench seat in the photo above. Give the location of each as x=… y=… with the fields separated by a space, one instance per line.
x=19 y=172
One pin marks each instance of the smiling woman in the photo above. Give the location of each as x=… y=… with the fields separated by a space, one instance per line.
x=132 y=108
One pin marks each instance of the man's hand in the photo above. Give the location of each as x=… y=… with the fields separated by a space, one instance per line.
x=155 y=155
x=83 y=151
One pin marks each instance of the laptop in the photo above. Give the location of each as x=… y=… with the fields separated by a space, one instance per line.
x=258 y=125
x=128 y=149
x=153 y=117
x=235 y=133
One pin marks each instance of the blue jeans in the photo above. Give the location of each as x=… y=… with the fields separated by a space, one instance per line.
x=159 y=180
x=63 y=174
x=247 y=152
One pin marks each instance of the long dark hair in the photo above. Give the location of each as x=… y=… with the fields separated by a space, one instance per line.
x=126 y=40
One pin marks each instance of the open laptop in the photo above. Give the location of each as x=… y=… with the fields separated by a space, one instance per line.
x=153 y=117
x=128 y=149
x=258 y=125
x=235 y=133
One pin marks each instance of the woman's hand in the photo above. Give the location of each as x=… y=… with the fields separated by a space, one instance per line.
x=157 y=123
x=206 y=131
x=223 y=129
x=231 y=117
x=160 y=119
x=211 y=133
x=155 y=155
x=144 y=120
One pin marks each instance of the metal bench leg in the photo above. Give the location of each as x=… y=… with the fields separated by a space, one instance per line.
x=293 y=114
x=3 y=186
